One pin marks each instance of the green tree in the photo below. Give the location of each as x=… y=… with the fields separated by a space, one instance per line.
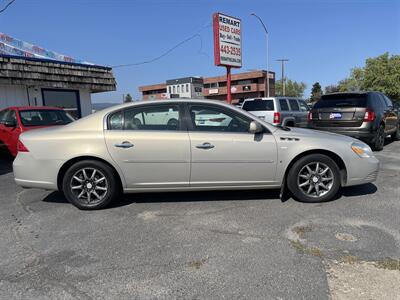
x=331 y=89
x=316 y=92
x=380 y=74
x=128 y=98
x=354 y=82
x=292 y=88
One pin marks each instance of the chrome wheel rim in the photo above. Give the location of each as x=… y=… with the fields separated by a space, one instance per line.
x=89 y=185
x=315 y=179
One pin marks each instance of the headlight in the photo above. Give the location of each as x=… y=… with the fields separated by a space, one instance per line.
x=362 y=150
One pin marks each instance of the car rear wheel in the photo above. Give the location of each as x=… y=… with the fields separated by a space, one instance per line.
x=396 y=135
x=379 y=140
x=90 y=185
x=314 y=178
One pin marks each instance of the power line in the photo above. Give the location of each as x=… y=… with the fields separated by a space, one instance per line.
x=196 y=35
x=8 y=4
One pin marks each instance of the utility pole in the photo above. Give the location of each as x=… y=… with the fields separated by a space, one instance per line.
x=266 y=35
x=283 y=60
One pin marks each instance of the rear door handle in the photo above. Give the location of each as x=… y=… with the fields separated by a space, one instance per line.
x=205 y=146
x=124 y=145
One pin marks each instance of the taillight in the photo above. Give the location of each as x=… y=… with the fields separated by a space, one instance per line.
x=309 y=116
x=277 y=117
x=21 y=147
x=369 y=116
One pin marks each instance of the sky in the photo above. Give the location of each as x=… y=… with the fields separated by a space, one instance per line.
x=322 y=39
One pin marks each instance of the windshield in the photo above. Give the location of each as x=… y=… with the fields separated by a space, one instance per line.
x=342 y=100
x=258 y=104
x=44 y=117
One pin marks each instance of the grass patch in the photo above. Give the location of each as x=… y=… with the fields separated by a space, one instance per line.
x=388 y=264
x=300 y=247
x=302 y=230
x=349 y=259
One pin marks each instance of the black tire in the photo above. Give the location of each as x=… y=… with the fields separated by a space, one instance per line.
x=379 y=140
x=110 y=183
x=294 y=174
x=396 y=135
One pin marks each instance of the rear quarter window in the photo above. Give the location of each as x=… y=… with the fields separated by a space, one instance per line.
x=259 y=105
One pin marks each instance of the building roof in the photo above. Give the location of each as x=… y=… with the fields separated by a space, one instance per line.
x=158 y=86
x=55 y=74
x=239 y=76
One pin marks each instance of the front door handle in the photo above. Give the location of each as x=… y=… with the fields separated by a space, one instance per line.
x=205 y=146
x=124 y=145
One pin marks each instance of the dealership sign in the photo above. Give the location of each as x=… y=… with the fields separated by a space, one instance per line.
x=227 y=41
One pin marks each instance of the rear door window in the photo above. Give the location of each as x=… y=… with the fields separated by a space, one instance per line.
x=294 y=105
x=342 y=100
x=258 y=105
x=284 y=105
x=152 y=117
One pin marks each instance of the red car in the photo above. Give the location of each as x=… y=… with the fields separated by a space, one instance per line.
x=16 y=120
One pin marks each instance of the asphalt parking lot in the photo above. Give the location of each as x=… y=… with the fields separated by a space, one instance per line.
x=246 y=244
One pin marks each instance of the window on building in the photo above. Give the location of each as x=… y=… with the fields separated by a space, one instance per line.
x=183 y=88
x=178 y=89
x=187 y=87
x=169 y=89
x=173 y=88
x=198 y=89
x=246 y=87
x=68 y=100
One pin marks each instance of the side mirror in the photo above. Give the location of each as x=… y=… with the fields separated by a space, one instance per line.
x=10 y=124
x=255 y=127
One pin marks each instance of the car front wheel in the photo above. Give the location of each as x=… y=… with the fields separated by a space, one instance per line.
x=314 y=178
x=90 y=185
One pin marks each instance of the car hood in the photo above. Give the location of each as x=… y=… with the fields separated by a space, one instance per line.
x=314 y=134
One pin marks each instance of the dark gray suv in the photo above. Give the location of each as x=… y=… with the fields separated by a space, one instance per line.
x=368 y=116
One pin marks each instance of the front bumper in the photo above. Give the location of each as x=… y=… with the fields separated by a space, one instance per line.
x=32 y=173
x=363 y=170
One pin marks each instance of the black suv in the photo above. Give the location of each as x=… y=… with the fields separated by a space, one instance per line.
x=368 y=116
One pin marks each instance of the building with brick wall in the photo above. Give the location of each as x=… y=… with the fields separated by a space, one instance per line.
x=244 y=85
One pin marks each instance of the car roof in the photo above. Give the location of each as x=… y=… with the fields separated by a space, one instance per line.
x=272 y=98
x=349 y=93
x=21 y=108
x=164 y=101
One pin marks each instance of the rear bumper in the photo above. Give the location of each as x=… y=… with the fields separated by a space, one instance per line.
x=32 y=173
x=361 y=134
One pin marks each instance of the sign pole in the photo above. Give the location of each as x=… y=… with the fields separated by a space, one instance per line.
x=228 y=85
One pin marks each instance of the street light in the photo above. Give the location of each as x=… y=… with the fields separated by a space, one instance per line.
x=266 y=33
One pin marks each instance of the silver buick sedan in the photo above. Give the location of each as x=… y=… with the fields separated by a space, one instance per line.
x=187 y=145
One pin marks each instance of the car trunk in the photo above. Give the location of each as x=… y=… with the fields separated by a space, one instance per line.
x=340 y=111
